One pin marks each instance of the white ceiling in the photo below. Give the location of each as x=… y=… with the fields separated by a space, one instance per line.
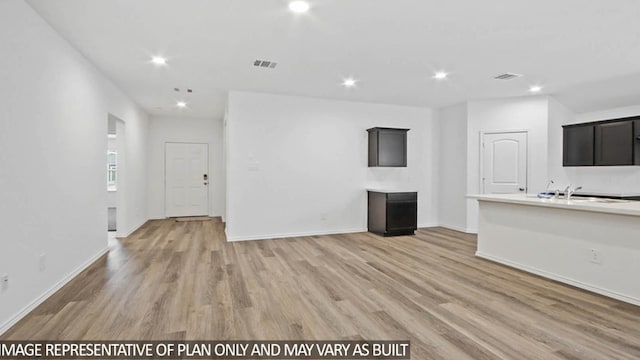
x=585 y=52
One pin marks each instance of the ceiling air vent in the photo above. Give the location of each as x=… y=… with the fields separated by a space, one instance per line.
x=506 y=76
x=265 y=64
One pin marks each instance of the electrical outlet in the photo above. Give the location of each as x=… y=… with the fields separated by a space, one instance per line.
x=595 y=256
x=42 y=262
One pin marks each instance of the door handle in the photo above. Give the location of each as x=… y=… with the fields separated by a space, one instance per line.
x=521 y=189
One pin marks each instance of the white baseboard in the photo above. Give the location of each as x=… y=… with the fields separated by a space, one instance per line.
x=454 y=227
x=132 y=229
x=458 y=228
x=560 y=278
x=315 y=233
x=427 y=225
x=287 y=235
x=30 y=307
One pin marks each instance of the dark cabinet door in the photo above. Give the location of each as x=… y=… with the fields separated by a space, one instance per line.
x=392 y=148
x=636 y=142
x=402 y=215
x=387 y=147
x=614 y=143
x=578 y=145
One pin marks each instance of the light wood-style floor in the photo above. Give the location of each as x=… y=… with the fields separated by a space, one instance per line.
x=182 y=280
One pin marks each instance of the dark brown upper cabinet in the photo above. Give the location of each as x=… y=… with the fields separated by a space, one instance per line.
x=577 y=145
x=604 y=143
x=614 y=143
x=387 y=147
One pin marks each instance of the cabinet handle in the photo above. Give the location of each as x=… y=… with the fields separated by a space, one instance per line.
x=638 y=137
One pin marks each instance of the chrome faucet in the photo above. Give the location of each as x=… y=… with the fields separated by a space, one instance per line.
x=548 y=185
x=568 y=192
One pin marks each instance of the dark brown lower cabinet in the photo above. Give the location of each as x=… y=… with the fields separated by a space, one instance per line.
x=392 y=213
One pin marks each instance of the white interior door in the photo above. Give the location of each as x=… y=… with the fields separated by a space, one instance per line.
x=186 y=179
x=504 y=163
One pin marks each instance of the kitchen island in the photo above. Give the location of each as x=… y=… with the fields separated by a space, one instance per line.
x=590 y=243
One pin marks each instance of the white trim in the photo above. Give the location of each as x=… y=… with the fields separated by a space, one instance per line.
x=30 y=307
x=287 y=235
x=560 y=278
x=333 y=232
x=131 y=230
x=459 y=228
x=427 y=225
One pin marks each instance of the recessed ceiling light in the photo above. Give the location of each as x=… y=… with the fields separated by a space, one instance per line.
x=181 y=104
x=349 y=82
x=299 y=6
x=159 y=60
x=440 y=75
x=535 y=88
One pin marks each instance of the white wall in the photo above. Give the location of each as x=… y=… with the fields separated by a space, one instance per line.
x=608 y=179
x=132 y=170
x=54 y=107
x=513 y=114
x=298 y=166
x=558 y=116
x=452 y=174
x=168 y=129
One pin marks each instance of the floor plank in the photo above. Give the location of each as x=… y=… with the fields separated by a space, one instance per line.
x=182 y=280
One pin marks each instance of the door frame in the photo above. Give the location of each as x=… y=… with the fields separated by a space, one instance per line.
x=481 y=156
x=164 y=172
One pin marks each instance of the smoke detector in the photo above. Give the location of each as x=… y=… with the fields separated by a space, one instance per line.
x=265 y=64
x=506 y=76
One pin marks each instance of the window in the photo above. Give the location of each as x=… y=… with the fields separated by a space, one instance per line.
x=111 y=170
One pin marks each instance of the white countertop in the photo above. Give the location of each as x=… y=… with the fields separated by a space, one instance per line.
x=622 y=207
x=604 y=194
x=391 y=190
